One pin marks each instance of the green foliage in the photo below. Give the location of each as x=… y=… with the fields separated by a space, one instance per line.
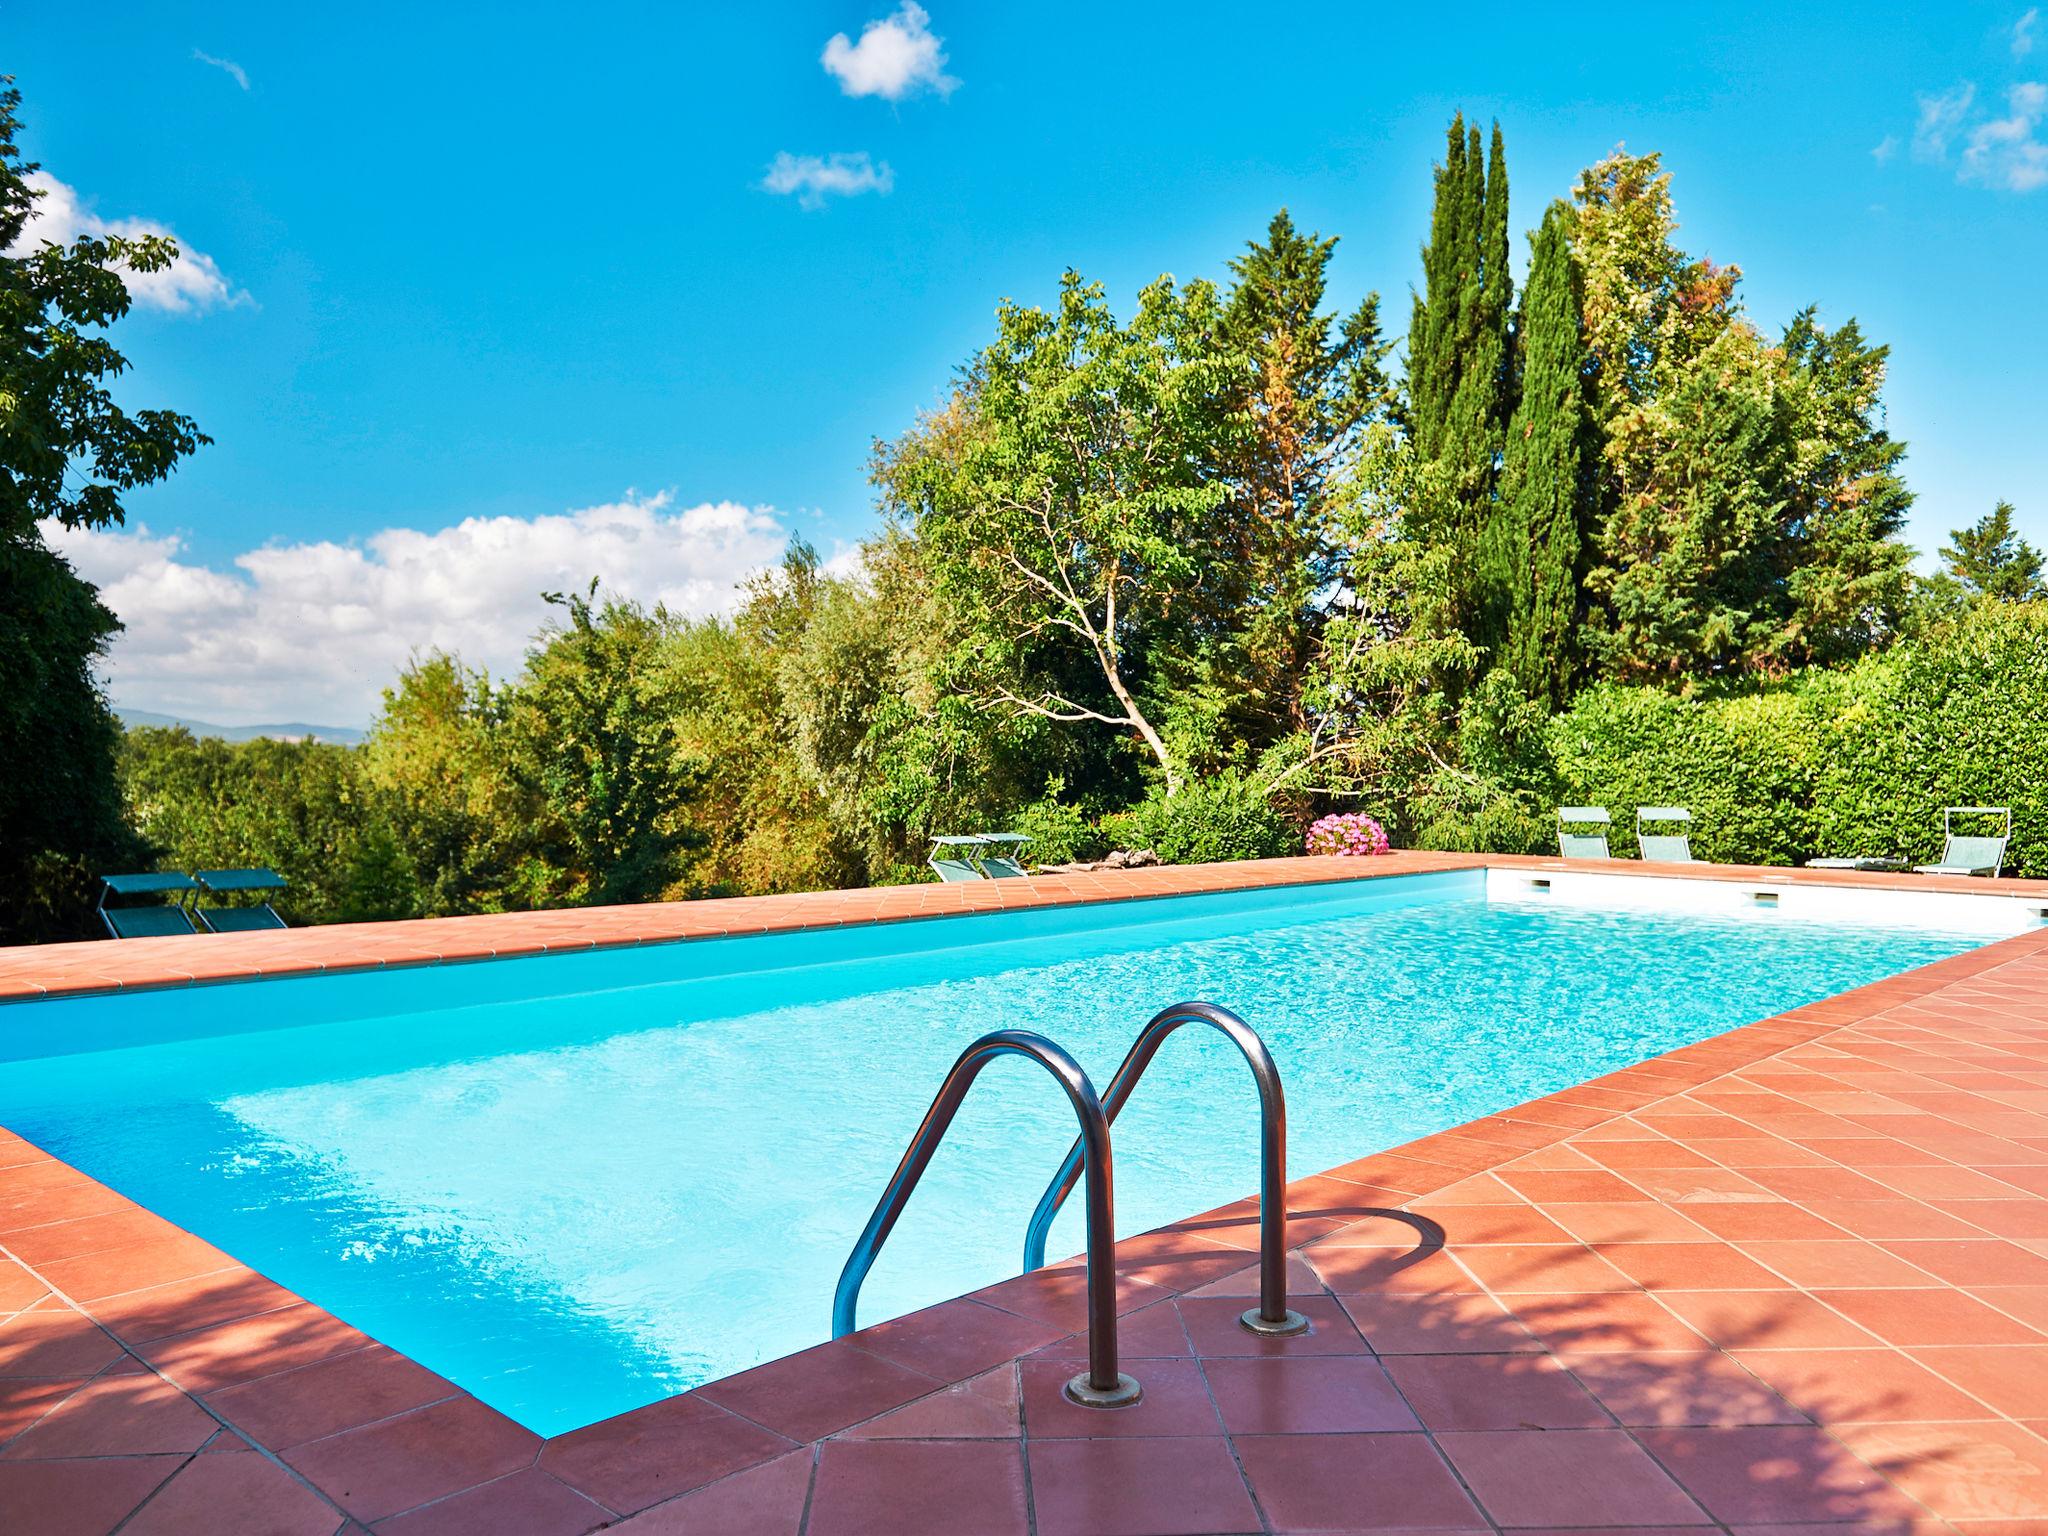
x=68 y=452
x=300 y=808
x=1225 y=817
x=1061 y=832
x=1987 y=561
x=1547 y=472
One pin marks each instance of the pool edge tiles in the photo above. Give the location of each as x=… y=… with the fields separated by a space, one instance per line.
x=353 y=1431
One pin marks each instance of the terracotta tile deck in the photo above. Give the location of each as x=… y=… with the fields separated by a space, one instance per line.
x=1789 y=1280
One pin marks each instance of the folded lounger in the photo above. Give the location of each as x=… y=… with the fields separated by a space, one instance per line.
x=152 y=922
x=1664 y=847
x=1000 y=854
x=1582 y=845
x=954 y=858
x=1970 y=855
x=219 y=919
x=1866 y=862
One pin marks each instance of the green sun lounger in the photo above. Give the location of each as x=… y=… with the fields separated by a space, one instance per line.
x=1582 y=845
x=156 y=921
x=956 y=858
x=1965 y=854
x=999 y=855
x=225 y=919
x=1664 y=847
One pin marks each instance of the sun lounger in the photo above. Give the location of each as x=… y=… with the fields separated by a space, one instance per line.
x=1664 y=847
x=1582 y=845
x=151 y=922
x=1963 y=854
x=999 y=856
x=955 y=858
x=223 y=919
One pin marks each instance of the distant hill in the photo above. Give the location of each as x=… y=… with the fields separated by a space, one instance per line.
x=291 y=730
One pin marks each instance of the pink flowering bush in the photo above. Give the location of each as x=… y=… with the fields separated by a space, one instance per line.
x=1351 y=835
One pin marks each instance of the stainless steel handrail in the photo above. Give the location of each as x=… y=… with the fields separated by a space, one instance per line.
x=1102 y=1385
x=1272 y=1315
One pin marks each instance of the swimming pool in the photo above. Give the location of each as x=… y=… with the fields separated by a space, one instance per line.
x=575 y=1184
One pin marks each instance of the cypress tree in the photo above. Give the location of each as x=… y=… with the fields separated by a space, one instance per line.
x=1459 y=378
x=1548 y=468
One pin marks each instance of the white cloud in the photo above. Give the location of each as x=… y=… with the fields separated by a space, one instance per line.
x=814 y=178
x=2008 y=152
x=313 y=631
x=228 y=67
x=894 y=58
x=1885 y=149
x=2023 y=33
x=1940 y=116
x=192 y=282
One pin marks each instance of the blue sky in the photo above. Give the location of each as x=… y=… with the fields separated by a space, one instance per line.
x=515 y=264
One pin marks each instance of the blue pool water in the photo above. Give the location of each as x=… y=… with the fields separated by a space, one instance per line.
x=576 y=1184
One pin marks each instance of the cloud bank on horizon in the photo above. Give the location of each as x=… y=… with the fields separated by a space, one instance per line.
x=316 y=631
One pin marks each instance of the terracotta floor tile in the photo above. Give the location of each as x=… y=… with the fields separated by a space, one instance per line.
x=329 y=1396
x=1803 y=1186
x=1700 y=1186
x=1967 y=1472
x=1352 y=1482
x=113 y=1271
x=1629 y=1322
x=1848 y=1386
x=1882 y=1219
x=767 y=1500
x=1453 y=1323
x=955 y=1339
x=1749 y=1221
x=1973 y=1264
x=1212 y=1324
x=659 y=1451
x=1551 y=1189
x=24 y=1399
x=1679 y=1390
x=1467 y=1224
x=2013 y=1378
x=1643 y=1222
x=131 y=1413
x=1583 y=1476
x=1493 y=1392
x=1172 y=1487
x=1176 y=1402
x=1655 y=1152
x=1308 y=1396
x=818 y=1391
x=2028 y=1303
x=78 y=1498
x=1782 y=1319
x=1361 y=1271
x=261 y=1495
x=1574 y=1268
x=1060 y=1296
x=528 y=1502
x=2002 y=1218
x=427 y=1454
x=918 y=1488
x=1689 y=1266
x=1836 y=1265
x=249 y=1347
x=185 y=1306
x=1938 y=1316
x=984 y=1408
x=1778 y=1474
x=121 y=1228
x=59 y=1342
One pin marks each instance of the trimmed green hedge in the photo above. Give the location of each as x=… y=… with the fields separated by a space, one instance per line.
x=1848 y=762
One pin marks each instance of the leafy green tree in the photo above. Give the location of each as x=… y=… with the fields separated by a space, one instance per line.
x=1548 y=487
x=593 y=739
x=1308 y=386
x=1460 y=381
x=1989 y=559
x=68 y=453
x=1066 y=505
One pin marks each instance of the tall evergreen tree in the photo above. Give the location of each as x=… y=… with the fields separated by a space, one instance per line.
x=1460 y=383
x=1548 y=472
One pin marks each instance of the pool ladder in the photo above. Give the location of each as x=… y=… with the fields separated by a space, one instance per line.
x=1088 y=1161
